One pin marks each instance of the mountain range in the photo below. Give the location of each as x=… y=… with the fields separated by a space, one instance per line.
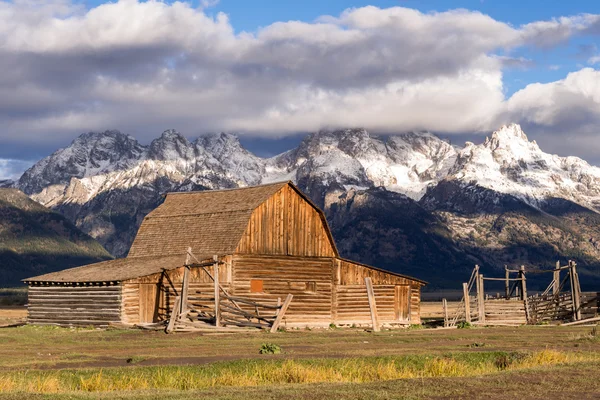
x=35 y=240
x=410 y=202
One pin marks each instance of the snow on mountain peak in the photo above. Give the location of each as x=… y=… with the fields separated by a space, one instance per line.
x=509 y=163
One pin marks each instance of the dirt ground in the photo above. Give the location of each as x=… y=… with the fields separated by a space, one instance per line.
x=10 y=315
x=49 y=348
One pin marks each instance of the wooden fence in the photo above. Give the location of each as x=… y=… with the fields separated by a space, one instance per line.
x=516 y=307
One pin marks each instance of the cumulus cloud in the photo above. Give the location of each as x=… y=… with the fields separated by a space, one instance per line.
x=145 y=66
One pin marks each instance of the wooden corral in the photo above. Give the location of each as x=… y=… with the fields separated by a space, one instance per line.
x=516 y=307
x=229 y=257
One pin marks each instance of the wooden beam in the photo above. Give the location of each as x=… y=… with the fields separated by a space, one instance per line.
x=186 y=282
x=467 y=301
x=577 y=292
x=372 y=304
x=524 y=292
x=507 y=284
x=174 y=315
x=480 y=299
x=217 y=291
x=556 y=281
x=583 y=321
x=281 y=313
x=445 y=308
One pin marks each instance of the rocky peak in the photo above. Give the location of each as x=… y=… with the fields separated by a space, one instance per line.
x=220 y=145
x=171 y=145
x=511 y=142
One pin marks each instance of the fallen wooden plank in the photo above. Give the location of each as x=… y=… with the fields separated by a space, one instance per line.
x=583 y=321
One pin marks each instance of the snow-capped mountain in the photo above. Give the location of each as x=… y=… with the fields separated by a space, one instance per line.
x=474 y=200
x=507 y=162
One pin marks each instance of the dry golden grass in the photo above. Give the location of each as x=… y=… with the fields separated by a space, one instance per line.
x=248 y=373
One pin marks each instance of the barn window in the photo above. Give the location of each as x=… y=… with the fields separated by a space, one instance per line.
x=311 y=287
x=256 y=286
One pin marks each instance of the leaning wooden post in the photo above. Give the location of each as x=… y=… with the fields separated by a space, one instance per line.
x=507 y=282
x=445 y=307
x=174 y=315
x=524 y=292
x=281 y=313
x=217 y=291
x=480 y=299
x=572 y=284
x=467 y=302
x=576 y=292
x=372 y=304
x=186 y=282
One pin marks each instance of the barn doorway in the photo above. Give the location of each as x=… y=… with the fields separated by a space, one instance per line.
x=402 y=303
x=149 y=298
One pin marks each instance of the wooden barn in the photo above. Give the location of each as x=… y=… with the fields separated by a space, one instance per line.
x=224 y=255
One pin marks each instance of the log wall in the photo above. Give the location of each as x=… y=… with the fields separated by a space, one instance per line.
x=283 y=275
x=71 y=305
x=286 y=224
x=349 y=278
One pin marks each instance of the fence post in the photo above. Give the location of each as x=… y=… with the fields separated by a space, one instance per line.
x=480 y=298
x=575 y=290
x=467 y=302
x=556 y=282
x=507 y=283
x=524 y=292
x=445 y=307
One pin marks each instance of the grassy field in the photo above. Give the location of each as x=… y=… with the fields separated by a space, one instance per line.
x=525 y=362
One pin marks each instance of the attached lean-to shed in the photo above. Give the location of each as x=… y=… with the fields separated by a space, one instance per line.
x=255 y=244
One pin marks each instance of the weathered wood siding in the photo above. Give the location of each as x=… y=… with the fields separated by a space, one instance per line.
x=137 y=299
x=286 y=224
x=396 y=297
x=284 y=275
x=64 y=305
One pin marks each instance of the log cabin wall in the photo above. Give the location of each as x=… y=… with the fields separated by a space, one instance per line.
x=150 y=298
x=309 y=280
x=287 y=224
x=397 y=298
x=74 y=305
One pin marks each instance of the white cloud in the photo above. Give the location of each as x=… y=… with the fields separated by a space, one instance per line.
x=145 y=66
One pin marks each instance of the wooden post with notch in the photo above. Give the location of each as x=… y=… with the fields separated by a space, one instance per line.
x=372 y=304
x=445 y=307
x=281 y=313
x=467 y=302
x=217 y=291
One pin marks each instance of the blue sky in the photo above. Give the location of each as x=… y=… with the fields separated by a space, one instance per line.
x=271 y=71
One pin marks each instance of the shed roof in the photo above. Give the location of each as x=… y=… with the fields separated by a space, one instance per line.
x=114 y=270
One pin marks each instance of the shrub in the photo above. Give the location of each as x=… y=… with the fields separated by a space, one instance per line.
x=269 y=348
x=464 y=325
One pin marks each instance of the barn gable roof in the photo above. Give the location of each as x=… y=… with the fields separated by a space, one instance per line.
x=210 y=222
